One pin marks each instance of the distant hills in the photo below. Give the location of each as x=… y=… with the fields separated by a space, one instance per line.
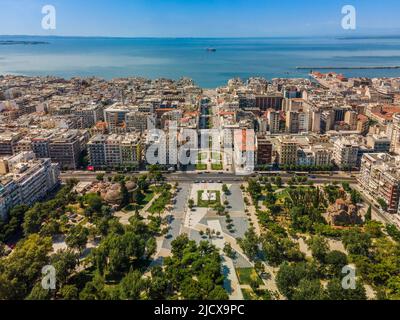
x=12 y=42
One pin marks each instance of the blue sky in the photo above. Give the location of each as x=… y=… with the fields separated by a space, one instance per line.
x=198 y=18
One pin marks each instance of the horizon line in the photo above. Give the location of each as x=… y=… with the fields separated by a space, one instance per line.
x=205 y=37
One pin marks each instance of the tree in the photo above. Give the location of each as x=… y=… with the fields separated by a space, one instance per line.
x=383 y=204
x=228 y=250
x=159 y=287
x=268 y=187
x=346 y=186
x=118 y=253
x=132 y=286
x=218 y=294
x=355 y=197
x=225 y=189
x=290 y=275
x=13 y=225
x=270 y=198
x=309 y=290
x=277 y=249
x=374 y=229
x=100 y=177
x=126 y=198
x=33 y=220
x=278 y=182
x=22 y=268
x=191 y=204
x=319 y=247
x=194 y=270
x=77 y=237
x=38 y=293
x=335 y=291
x=94 y=289
x=393 y=232
x=368 y=215
x=335 y=260
x=249 y=244
x=356 y=242
x=94 y=202
x=254 y=189
x=65 y=262
x=69 y=292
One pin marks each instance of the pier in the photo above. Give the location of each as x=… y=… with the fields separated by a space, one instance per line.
x=350 y=68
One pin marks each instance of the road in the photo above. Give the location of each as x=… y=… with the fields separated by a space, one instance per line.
x=85 y=176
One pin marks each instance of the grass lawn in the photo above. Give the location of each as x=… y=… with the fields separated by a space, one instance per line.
x=207 y=204
x=217 y=161
x=201 y=166
x=217 y=166
x=148 y=197
x=145 y=198
x=158 y=206
x=282 y=195
x=245 y=274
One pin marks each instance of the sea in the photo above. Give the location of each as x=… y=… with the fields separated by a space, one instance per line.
x=188 y=57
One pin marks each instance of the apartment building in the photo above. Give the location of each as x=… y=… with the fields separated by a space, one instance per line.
x=264 y=150
x=115 y=117
x=314 y=156
x=137 y=121
x=274 y=118
x=115 y=151
x=379 y=143
x=245 y=156
x=395 y=134
x=345 y=154
x=8 y=142
x=25 y=180
x=265 y=102
x=65 y=148
x=97 y=151
x=287 y=151
x=380 y=178
x=90 y=115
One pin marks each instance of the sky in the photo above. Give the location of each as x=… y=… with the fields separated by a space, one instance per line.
x=198 y=18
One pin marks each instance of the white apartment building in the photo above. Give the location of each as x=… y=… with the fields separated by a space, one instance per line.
x=345 y=154
x=115 y=117
x=115 y=151
x=25 y=180
x=139 y=121
x=274 y=121
x=380 y=178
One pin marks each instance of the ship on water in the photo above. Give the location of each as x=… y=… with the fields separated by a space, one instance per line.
x=211 y=49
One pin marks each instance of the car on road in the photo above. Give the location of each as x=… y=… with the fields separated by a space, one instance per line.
x=203 y=181
x=210 y=181
x=219 y=181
